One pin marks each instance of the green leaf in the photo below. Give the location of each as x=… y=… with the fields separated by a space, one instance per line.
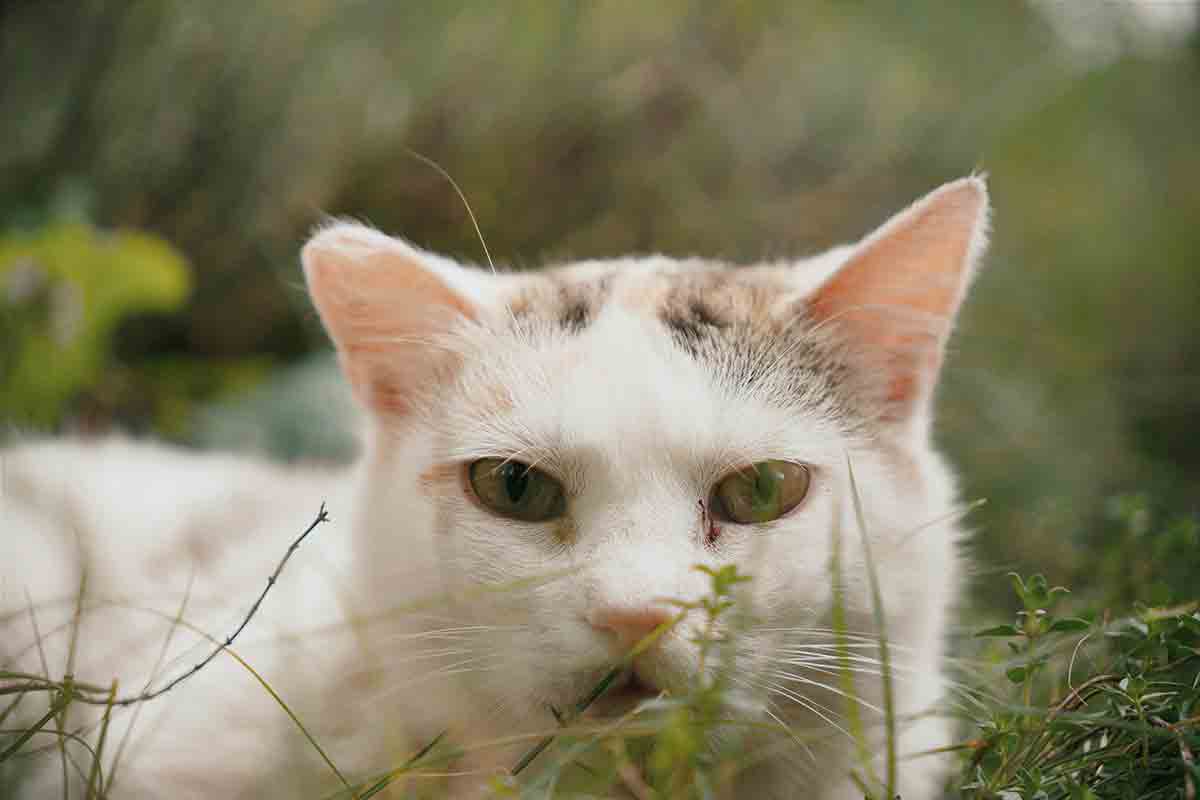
x=1017 y=674
x=1069 y=624
x=1000 y=630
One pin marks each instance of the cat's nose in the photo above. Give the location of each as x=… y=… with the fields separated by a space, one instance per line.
x=628 y=625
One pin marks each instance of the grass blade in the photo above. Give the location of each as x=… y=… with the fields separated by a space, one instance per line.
x=95 y=786
x=841 y=636
x=889 y=699
x=58 y=705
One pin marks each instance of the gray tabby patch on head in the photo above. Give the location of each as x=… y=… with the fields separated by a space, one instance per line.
x=742 y=325
x=707 y=306
x=692 y=298
x=568 y=302
x=736 y=322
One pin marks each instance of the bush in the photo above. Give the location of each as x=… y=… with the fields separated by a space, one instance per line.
x=63 y=290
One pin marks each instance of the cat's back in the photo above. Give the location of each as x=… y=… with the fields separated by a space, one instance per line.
x=103 y=542
x=143 y=512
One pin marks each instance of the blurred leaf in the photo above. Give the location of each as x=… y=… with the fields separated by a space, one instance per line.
x=1065 y=624
x=1000 y=630
x=64 y=289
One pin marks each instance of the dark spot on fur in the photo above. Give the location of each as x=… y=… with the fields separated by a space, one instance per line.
x=692 y=323
x=572 y=305
x=705 y=316
x=735 y=325
x=709 y=526
x=575 y=316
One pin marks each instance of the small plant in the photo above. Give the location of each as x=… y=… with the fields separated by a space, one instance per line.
x=681 y=759
x=1127 y=727
x=662 y=747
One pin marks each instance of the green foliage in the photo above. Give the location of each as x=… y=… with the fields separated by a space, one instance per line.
x=1145 y=553
x=63 y=289
x=179 y=391
x=1126 y=726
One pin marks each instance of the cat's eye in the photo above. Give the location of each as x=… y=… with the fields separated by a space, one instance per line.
x=760 y=493
x=515 y=490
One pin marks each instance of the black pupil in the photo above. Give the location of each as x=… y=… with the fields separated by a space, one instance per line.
x=516 y=480
x=762 y=485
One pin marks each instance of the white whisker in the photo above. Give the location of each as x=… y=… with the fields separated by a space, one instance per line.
x=807 y=703
x=791 y=677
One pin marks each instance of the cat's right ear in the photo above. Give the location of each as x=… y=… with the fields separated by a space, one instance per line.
x=895 y=298
x=384 y=304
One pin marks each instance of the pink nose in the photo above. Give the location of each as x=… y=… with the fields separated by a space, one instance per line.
x=629 y=625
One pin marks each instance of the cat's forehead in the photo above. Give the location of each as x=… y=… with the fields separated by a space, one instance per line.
x=691 y=297
x=650 y=337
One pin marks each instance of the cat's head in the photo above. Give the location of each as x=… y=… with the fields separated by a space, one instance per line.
x=563 y=447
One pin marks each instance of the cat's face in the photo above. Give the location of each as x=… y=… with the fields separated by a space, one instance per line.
x=591 y=434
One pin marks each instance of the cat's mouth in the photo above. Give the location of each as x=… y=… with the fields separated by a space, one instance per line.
x=626 y=692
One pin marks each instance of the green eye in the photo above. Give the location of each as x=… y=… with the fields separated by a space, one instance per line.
x=516 y=490
x=761 y=493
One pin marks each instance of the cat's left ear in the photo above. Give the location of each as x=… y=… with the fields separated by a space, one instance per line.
x=385 y=304
x=894 y=300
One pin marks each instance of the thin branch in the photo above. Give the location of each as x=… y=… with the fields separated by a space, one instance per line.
x=1079 y=696
x=322 y=516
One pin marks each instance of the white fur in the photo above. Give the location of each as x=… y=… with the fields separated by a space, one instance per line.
x=386 y=625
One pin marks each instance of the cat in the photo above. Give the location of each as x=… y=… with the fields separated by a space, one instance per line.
x=547 y=456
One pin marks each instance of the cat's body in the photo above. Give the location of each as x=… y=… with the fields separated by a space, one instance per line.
x=634 y=387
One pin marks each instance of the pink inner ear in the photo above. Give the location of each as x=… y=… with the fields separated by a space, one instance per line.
x=383 y=306
x=897 y=296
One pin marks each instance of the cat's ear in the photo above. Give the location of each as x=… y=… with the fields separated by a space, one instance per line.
x=894 y=300
x=384 y=304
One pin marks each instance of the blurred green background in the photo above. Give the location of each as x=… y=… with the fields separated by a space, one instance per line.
x=163 y=161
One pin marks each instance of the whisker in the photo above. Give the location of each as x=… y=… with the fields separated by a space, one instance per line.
x=807 y=703
x=445 y=634
x=410 y=658
x=457 y=668
x=810 y=682
x=834 y=670
x=804 y=746
x=804 y=632
x=424 y=159
x=821 y=662
x=837 y=658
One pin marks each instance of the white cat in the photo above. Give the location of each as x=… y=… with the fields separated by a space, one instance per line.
x=548 y=455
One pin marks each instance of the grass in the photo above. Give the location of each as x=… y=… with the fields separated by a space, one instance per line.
x=1126 y=726
x=1053 y=707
